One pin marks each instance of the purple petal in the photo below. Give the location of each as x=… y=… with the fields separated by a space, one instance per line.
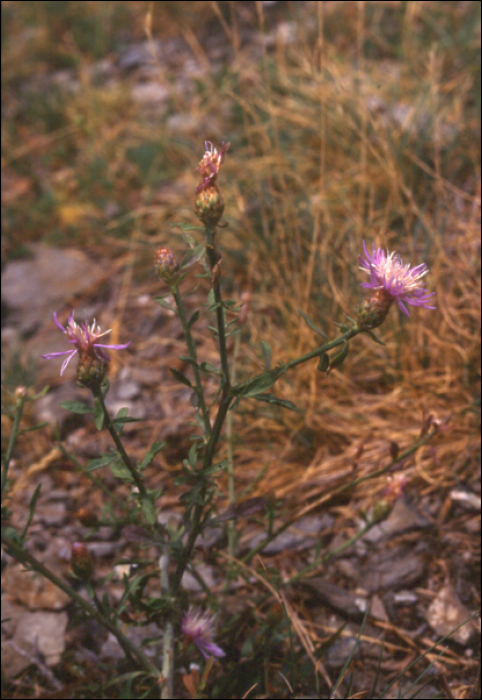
x=51 y=355
x=58 y=324
x=113 y=347
x=66 y=361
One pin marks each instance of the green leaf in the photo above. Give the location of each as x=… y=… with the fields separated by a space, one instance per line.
x=311 y=324
x=120 y=471
x=150 y=454
x=339 y=359
x=165 y=304
x=271 y=398
x=103 y=461
x=76 y=407
x=266 y=350
x=324 y=363
x=259 y=384
x=180 y=376
x=193 y=319
x=149 y=511
x=188 y=360
x=98 y=414
x=207 y=367
x=193 y=256
x=374 y=337
x=192 y=457
x=211 y=298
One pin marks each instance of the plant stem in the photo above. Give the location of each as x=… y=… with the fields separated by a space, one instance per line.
x=118 y=443
x=317 y=352
x=215 y=260
x=193 y=355
x=168 y=640
x=30 y=561
x=13 y=438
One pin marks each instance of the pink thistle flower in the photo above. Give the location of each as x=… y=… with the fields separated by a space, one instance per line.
x=197 y=627
x=395 y=280
x=210 y=164
x=84 y=340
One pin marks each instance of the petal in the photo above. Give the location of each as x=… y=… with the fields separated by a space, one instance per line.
x=66 y=362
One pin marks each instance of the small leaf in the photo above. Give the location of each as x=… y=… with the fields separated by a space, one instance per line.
x=339 y=359
x=119 y=470
x=193 y=319
x=192 y=457
x=193 y=256
x=324 y=363
x=207 y=367
x=150 y=454
x=259 y=384
x=284 y=403
x=98 y=414
x=374 y=337
x=165 y=304
x=180 y=376
x=76 y=407
x=311 y=324
x=149 y=511
x=103 y=461
x=266 y=350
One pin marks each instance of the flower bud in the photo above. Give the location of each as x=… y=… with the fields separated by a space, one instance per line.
x=209 y=205
x=167 y=266
x=373 y=311
x=82 y=562
x=91 y=371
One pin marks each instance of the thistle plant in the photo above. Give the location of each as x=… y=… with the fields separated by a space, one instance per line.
x=184 y=627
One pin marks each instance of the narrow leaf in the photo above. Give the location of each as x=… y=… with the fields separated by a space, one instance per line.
x=180 y=376
x=150 y=454
x=99 y=462
x=76 y=407
x=284 y=403
x=193 y=319
x=311 y=324
x=324 y=363
x=165 y=304
x=266 y=350
x=339 y=359
x=193 y=256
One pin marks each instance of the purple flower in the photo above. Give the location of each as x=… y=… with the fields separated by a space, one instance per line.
x=400 y=283
x=83 y=338
x=197 y=627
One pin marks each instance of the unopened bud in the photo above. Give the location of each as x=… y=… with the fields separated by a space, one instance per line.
x=209 y=205
x=91 y=371
x=82 y=562
x=167 y=266
x=373 y=311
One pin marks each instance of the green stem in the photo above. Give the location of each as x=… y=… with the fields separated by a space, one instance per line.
x=317 y=352
x=118 y=443
x=193 y=355
x=13 y=439
x=214 y=259
x=129 y=647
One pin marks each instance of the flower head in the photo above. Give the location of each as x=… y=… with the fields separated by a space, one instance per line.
x=197 y=627
x=397 y=281
x=83 y=338
x=167 y=266
x=211 y=162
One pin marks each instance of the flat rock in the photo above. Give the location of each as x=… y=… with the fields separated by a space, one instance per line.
x=34 y=288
